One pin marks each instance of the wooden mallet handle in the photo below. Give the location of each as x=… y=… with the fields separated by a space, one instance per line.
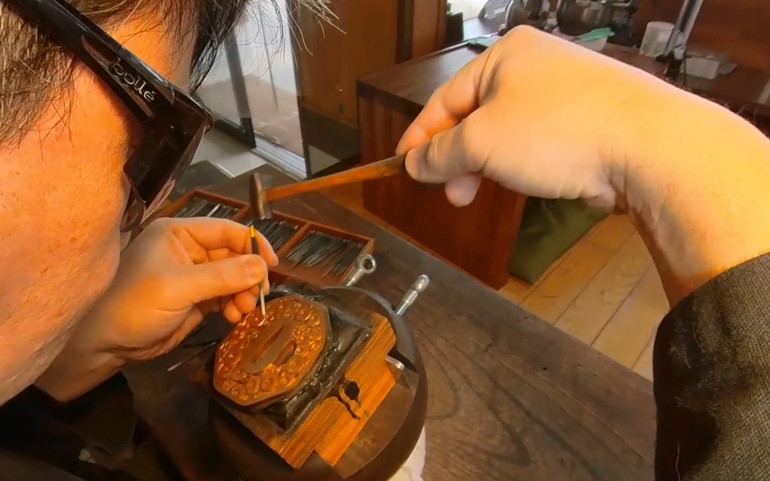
x=376 y=170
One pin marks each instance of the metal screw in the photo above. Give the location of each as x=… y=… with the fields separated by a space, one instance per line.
x=412 y=294
x=365 y=265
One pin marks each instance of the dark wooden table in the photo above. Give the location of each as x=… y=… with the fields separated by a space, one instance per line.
x=511 y=397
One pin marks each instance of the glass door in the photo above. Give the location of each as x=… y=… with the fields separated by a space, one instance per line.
x=252 y=88
x=224 y=92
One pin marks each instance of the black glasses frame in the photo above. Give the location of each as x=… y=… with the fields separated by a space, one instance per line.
x=172 y=122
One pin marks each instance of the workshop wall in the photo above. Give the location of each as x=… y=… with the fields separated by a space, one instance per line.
x=738 y=28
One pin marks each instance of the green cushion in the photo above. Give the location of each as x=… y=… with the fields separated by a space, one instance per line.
x=548 y=229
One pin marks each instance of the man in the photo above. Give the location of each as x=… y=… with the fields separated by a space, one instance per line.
x=536 y=114
x=66 y=140
x=91 y=138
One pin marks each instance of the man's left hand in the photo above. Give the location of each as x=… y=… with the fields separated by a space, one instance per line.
x=169 y=278
x=172 y=275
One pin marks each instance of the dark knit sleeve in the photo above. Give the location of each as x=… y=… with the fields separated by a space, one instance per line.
x=39 y=435
x=14 y=467
x=711 y=368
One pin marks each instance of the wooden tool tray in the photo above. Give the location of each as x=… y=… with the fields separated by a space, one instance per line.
x=319 y=274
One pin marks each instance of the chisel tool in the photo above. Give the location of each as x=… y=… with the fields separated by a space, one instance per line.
x=255 y=250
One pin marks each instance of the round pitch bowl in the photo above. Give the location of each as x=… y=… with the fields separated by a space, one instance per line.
x=252 y=460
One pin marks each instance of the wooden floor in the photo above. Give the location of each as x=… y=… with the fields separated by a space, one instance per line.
x=604 y=291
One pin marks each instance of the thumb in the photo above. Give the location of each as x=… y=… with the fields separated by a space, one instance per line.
x=461 y=191
x=450 y=154
x=223 y=278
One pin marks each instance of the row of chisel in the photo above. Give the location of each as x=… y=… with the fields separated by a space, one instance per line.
x=277 y=232
x=333 y=254
x=200 y=207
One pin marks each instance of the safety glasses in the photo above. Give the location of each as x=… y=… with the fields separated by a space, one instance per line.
x=172 y=122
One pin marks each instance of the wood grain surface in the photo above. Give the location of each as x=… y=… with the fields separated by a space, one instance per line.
x=612 y=232
x=594 y=307
x=510 y=396
x=558 y=290
x=643 y=365
x=629 y=330
x=373 y=376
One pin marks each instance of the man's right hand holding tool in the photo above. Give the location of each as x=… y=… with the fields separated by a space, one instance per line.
x=551 y=119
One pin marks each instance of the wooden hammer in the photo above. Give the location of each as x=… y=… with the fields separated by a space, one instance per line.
x=260 y=197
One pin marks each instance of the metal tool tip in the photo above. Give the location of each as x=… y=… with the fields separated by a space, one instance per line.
x=421 y=283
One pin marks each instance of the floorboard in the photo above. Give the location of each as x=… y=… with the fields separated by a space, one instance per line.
x=630 y=329
x=553 y=296
x=612 y=232
x=597 y=303
x=643 y=365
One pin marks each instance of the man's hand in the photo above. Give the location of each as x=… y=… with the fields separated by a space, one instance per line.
x=175 y=272
x=537 y=114
x=548 y=118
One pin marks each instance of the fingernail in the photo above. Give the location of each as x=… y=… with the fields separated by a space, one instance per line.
x=255 y=269
x=411 y=165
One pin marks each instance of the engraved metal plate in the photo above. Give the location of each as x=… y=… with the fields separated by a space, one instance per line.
x=264 y=360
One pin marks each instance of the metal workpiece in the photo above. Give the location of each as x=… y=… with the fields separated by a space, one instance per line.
x=365 y=265
x=412 y=294
x=265 y=358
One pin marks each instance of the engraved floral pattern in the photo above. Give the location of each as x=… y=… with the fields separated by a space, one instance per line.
x=290 y=351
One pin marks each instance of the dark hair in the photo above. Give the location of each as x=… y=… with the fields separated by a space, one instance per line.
x=33 y=69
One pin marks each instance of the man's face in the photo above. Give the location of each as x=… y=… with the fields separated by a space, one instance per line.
x=62 y=196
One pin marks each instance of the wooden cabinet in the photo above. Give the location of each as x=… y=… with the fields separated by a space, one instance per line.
x=367 y=36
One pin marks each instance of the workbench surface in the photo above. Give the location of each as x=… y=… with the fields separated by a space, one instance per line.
x=511 y=397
